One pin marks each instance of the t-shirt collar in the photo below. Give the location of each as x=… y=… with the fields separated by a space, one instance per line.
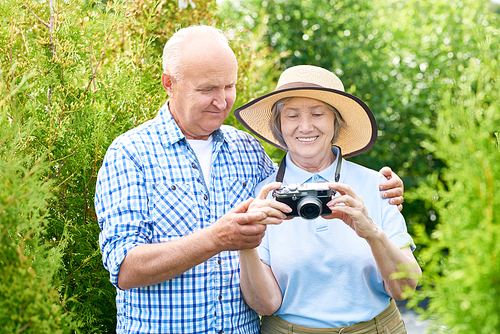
x=170 y=131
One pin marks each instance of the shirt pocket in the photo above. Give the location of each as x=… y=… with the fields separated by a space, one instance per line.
x=238 y=190
x=173 y=211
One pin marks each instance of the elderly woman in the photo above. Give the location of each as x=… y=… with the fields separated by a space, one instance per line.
x=341 y=271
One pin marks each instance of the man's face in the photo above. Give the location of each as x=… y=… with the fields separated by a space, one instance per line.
x=201 y=99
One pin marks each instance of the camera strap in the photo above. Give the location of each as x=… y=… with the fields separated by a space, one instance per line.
x=281 y=171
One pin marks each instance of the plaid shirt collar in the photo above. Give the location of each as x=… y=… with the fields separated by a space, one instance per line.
x=170 y=133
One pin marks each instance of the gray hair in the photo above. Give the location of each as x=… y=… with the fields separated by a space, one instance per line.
x=173 y=47
x=275 y=121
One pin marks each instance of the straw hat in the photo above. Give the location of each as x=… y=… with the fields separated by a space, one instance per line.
x=320 y=84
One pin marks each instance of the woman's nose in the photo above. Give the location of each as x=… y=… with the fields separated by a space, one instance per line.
x=305 y=124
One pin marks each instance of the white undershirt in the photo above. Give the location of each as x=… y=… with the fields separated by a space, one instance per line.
x=203 y=151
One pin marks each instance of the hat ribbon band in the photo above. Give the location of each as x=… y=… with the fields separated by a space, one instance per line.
x=297 y=85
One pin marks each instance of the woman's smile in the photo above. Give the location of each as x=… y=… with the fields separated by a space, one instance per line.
x=307 y=139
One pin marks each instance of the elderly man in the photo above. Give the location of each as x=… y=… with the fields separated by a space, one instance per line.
x=172 y=198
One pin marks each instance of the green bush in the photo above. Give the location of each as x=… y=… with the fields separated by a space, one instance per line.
x=92 y=71
x=462 y=255
x=29 y=301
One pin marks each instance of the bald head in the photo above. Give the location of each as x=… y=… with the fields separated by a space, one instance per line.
x=200 y=55
x=189 y=39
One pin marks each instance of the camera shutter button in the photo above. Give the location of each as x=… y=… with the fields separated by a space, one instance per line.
x=292 y=186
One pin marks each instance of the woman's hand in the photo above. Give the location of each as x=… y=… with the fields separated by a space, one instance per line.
x=350 y=208
x=274 y=210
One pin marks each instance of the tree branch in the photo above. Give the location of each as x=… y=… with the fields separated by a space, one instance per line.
x=39 y=19
x=51 y=29
x=94 y=71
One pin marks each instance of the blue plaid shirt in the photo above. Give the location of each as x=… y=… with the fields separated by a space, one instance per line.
x=151 y=189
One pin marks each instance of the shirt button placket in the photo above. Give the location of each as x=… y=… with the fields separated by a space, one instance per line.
x=223 y=297
x=218 y=305
x=220 y=321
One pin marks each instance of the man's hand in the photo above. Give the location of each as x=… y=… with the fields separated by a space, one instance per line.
x=274 y=210
x=394 y=187
x=235 y=231
x=244 y=226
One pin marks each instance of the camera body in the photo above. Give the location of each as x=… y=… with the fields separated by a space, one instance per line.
x=307 y=200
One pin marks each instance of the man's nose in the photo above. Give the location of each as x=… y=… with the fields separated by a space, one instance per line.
x=219 y=100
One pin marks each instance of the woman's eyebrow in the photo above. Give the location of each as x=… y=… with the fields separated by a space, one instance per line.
x=313 y=107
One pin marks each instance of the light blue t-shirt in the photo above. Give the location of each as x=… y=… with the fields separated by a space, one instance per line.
x=327 y=273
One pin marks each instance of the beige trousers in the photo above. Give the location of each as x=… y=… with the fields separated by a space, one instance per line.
x=387 y=322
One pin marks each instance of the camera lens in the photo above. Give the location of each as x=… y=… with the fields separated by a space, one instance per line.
x=309 y=207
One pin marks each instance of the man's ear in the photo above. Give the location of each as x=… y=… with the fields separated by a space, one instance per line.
x=167 y=80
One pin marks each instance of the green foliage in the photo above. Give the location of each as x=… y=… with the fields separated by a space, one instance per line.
x=77 y=74
x=76 y=108
x=462 y=260
x=90 y=71
x=429 y=72
x=393 y=54
x=495 y=7
x=29 y=303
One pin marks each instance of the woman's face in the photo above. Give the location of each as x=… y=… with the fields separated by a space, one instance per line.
x=307 y=126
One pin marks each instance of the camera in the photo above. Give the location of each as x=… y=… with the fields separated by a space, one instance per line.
x=307 y=200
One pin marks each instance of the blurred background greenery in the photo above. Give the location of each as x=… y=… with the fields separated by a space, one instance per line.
x=76 y=74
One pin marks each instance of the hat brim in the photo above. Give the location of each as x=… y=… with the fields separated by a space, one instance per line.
x=358 y=137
